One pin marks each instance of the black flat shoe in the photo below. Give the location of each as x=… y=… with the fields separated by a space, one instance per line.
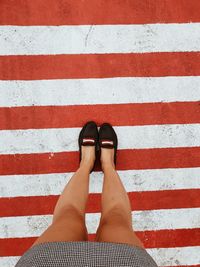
x=89 y=137
x=108 y=139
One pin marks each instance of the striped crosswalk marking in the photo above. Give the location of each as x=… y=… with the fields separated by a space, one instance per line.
x=135 y=64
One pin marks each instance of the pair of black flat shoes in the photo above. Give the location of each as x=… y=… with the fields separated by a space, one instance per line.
x=105 y=138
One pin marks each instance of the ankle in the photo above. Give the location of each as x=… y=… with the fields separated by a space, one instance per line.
x=88 y=157
x=108 y=165
x=107 y=158
x=86 y=164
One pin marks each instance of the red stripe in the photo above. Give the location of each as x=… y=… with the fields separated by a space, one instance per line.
x=151 y=239
x=15 y=246
x=98 y=12
x=170 y=238
x=39 y=205
x=63 y=116
x=99 y=65
x=128 y=159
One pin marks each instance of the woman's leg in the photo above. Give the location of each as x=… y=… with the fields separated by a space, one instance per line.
x=116 y=220
x=69 y=213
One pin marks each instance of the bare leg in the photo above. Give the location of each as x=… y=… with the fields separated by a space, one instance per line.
x=116 y=219
x=69 y=213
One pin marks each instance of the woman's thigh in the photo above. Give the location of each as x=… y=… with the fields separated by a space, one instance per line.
x=116 y=226
x=68 y=227
x=117 y=234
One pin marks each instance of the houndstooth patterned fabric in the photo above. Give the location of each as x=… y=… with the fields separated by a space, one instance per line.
x=85 y=253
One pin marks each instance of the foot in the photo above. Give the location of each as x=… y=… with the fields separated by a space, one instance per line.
x=87 y=156
x=107 y=158
x=108 y=144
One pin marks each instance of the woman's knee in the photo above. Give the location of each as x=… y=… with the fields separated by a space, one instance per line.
x=64 y=229
x=116 y=217
x=116 y=226
x=69 y=213
x=70 y=221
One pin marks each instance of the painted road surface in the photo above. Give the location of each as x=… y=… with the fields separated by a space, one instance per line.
x=135 y=64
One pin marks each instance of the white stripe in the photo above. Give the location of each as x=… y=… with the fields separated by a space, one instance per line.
x=133 y=181
x=93 y=91
x=142 y=220
x=130 y=137
x=176 y=256
x=162 y=256
x=8 y=261
x=40 y=40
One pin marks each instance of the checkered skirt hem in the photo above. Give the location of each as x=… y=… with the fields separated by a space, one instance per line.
x=85 y=253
